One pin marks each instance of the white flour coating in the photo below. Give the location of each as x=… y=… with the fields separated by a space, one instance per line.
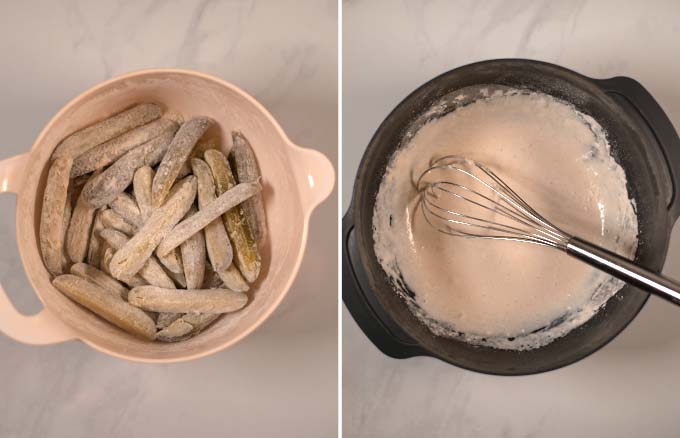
x=503 y=294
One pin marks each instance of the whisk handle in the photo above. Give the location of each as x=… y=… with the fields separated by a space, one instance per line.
x=624 y=269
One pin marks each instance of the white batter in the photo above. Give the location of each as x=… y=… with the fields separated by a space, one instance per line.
x=508 y=294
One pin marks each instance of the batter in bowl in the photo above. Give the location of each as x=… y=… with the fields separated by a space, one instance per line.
x=505 y=294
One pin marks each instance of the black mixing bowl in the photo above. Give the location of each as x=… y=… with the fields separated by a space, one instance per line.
x=643 y=142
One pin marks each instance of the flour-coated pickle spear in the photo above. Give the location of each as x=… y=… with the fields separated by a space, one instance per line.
x=188 y=227
x=186 y=326
x=178 y=152
x=83 y=270
x=52 y=214
x=95 y=249
x=80 y=226
x=68 y=209
x=117 y=177
x=106 y=153
x=79 y=229
x=193 y=258
x=74 y=188
x=246 y=255
x=158 y=299
x=126 y=206
x=107 y=305
x=217 y=242
x=141 y=184
x=177 y=330
x=111 y=219
x=233 y=279
x=247 y=170
x=130 y=258
x=80 y=141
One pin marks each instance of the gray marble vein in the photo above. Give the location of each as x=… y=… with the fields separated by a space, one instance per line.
x=282 y=380
x=628 y=389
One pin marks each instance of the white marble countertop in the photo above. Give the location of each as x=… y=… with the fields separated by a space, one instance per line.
x=281 y=381
x=628 y=389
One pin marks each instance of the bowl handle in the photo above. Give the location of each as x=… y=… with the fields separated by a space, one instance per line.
x=316 y=175
x=371 y=318
x=43 y=327
x=658 y=122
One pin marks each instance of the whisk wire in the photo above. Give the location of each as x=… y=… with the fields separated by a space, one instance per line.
x=518 y=220
x=500 y=209
x=486 y=225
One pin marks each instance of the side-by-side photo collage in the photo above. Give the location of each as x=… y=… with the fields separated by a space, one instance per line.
x=340 y=219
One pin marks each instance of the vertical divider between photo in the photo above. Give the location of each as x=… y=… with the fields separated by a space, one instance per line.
x=340 y=176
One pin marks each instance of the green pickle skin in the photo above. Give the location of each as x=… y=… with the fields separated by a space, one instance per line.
x=246 y=255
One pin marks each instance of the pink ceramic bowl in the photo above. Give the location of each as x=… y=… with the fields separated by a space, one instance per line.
x=295 y=181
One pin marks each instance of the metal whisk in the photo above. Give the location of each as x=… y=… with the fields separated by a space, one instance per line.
x=464 y=198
